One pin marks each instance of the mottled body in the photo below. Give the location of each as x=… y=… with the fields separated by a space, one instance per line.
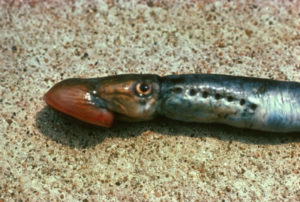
x=244 y=102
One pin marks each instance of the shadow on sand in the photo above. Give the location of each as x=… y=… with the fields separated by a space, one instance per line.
x=74 y=133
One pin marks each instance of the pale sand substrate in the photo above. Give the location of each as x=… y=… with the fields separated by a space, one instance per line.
x=45 y=155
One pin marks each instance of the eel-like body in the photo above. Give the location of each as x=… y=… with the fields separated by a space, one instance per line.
x=245 y=102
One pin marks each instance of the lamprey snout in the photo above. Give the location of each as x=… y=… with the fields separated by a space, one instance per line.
x=101 y=100
x=244 y=102
x=78 y=98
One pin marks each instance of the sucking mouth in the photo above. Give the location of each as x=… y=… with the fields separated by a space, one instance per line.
x=75 y=98
x=100 y=101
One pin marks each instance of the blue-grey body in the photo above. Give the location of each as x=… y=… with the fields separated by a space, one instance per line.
x=243 y=102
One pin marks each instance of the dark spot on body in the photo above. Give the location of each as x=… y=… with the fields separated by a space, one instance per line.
x=229 y=98
x=253 y=106
x=242 y=102
x=192 y=92
x=205 y=94
x=218 y=96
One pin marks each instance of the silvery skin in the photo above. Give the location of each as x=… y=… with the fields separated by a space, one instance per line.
x=260 y=104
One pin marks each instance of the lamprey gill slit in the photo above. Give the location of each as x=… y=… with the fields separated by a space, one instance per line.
x=244 y=102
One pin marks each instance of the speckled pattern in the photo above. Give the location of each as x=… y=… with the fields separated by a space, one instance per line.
x=46 y=155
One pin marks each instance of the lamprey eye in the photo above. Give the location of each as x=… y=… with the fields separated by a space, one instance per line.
x=143 y=89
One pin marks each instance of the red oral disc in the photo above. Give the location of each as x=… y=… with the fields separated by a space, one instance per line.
x=73 y=101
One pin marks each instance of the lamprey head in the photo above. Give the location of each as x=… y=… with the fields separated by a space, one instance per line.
x=98 y=101
x=131 y=97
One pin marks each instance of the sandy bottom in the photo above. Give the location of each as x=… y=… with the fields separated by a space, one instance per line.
x=46 y=155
